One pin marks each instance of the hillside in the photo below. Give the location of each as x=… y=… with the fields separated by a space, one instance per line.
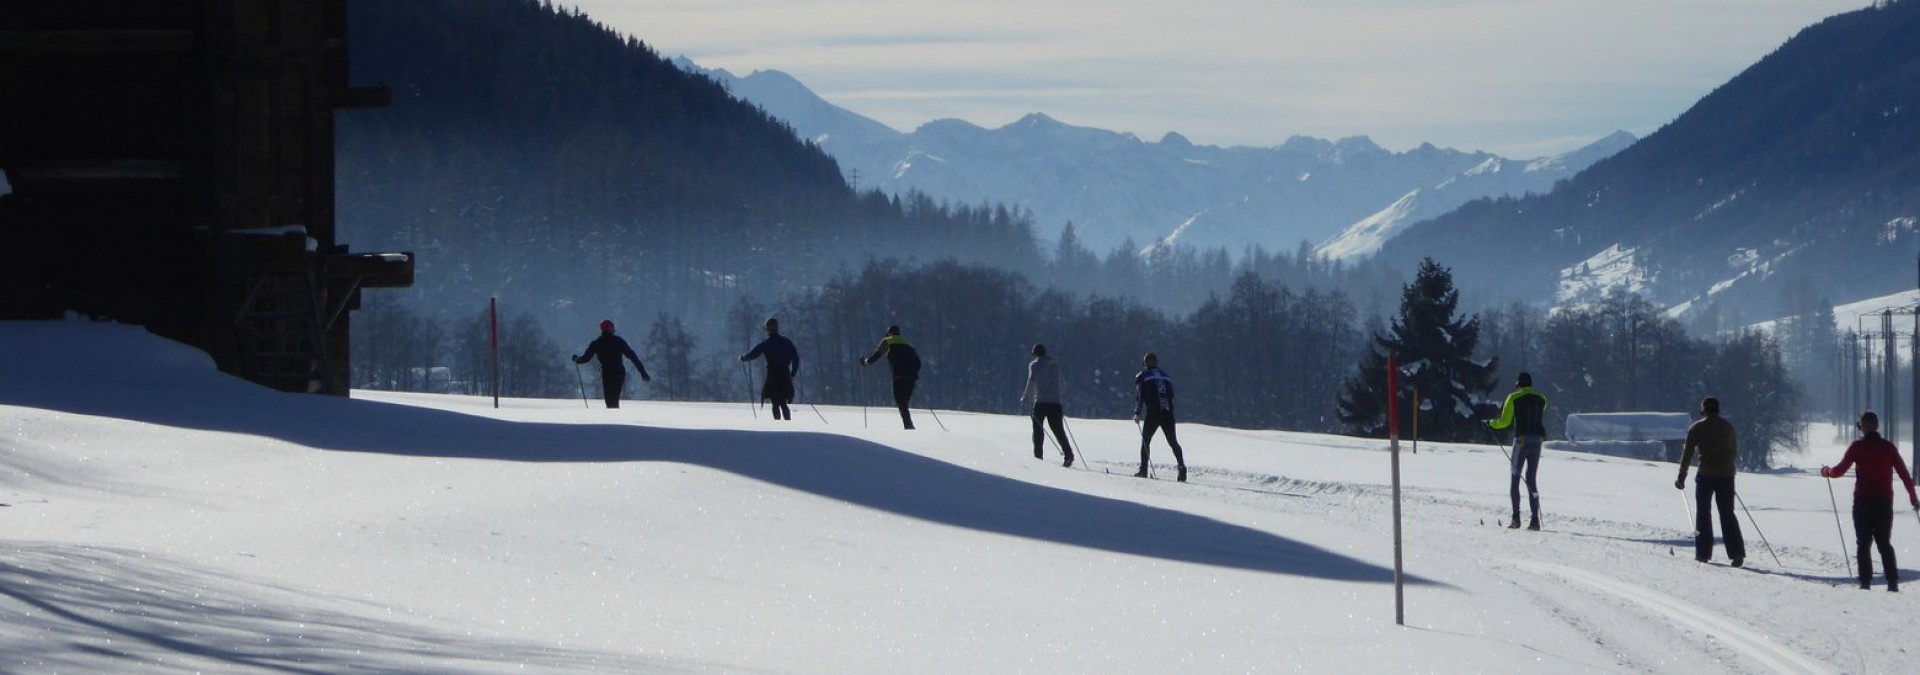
x=162 y=517
x=535 y=155
x=1806 y=166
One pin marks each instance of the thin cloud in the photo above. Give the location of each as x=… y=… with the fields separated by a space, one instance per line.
x=1498 y=75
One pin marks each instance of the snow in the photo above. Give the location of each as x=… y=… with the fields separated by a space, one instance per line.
x=1628 y=426
x=1365 y=237
x=1894 y=228
x=1614 y=268
x=1864 y=315
x=162 y=517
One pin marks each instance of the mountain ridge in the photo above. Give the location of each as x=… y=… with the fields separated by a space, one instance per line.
x=1115 y=187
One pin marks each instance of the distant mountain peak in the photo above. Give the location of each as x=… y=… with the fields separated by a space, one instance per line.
x=1037 y=119
x=1357 y=144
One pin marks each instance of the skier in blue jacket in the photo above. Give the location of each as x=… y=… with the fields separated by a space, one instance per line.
x=1155 y=399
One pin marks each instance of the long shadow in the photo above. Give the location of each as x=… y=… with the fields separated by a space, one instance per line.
x=838 y=467
x=106 y=610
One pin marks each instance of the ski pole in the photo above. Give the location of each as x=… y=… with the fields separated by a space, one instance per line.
x=751 y=405
x=1496 y=442
x=1691 y=516
x=583 y=386
x=1837 y=530
x=1756 y=528
x=1141 y=432
x=1083 y=449
x=816 y=409
x=936 y=419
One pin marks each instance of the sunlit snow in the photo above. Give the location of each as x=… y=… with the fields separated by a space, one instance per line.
x=162 y=517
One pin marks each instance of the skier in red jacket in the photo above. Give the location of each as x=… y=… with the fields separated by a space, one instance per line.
x=1877 y=460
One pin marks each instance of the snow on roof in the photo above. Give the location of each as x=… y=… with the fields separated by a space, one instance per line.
x=1628 y=426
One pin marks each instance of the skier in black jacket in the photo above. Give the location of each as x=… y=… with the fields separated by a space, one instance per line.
x=1155 y=398
x=613 y=376
x=783 y=364
x=904 y=361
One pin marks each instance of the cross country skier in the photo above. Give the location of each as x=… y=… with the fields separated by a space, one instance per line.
x=904 y=361
x=1155 y=396
x=613 y=376
x=1043 y=387
x=1525 y=411
x=783 y=364
x=1713 y=437
x=1877 y=460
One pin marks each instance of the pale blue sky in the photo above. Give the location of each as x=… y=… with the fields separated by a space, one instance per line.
x=1518 y=77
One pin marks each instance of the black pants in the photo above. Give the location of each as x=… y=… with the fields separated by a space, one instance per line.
x=1055 y=416
x=1526 y=464
x=903 y=396
x=1160 y=421
x=611 y=382
x=1711 y=493
x=1873 y=527
x=779 y=390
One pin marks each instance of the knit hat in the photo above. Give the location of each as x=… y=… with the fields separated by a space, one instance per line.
x=1525 y=380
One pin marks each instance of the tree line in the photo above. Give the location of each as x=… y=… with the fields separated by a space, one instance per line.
x=973 y=326
x=1620 y=354
x=1262 y=355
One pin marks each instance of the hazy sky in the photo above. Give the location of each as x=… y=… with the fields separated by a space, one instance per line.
x=1517 y=77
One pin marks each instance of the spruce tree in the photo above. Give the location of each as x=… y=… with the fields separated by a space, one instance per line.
x=1434 y=352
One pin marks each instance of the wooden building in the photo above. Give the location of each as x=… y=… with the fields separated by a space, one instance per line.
x=170 y=164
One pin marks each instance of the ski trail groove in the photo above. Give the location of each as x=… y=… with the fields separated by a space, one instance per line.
x=1775 y=657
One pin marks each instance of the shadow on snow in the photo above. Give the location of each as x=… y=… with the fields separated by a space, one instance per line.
x=837 y=467
x=107 y=610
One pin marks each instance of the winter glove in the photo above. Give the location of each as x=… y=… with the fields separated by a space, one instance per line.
x=1915 y=500
x=1827 y=472
x=1681 y=482
x=863 y=360
x=644 y=377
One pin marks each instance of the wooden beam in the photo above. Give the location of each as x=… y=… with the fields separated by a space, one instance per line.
x=86 y=42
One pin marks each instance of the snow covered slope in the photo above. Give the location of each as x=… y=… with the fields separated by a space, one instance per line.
x=1493 y=178
x=161 y=517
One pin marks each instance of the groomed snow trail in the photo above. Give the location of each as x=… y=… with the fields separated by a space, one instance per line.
x=1737 y=636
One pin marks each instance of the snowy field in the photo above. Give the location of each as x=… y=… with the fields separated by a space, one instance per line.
x=161 y=517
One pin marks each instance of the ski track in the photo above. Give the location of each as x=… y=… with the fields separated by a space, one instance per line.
x=1731 y=639
x=1743 y=640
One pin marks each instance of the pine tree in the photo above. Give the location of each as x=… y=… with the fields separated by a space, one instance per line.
x=1434 y=351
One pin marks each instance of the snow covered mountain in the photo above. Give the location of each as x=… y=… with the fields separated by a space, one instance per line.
x=1492 y=178
x=1115 y=187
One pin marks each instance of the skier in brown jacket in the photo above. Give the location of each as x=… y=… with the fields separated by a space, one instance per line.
x=1712 y=436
